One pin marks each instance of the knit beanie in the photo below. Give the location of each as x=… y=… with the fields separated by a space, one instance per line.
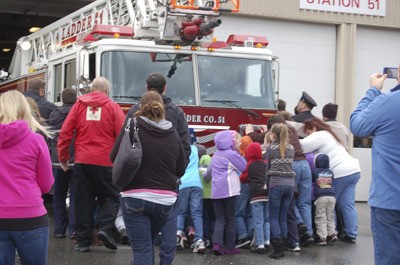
x=330 y=111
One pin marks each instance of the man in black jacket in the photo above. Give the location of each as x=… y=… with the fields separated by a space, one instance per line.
x=62 y=179
x=304 y=107
x=176 y=116
x=36 y=91
x=173 y=113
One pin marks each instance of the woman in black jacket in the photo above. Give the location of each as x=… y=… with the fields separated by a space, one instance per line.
x=147 y=201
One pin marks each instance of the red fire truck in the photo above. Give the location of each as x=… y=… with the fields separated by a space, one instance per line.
x=219 y=84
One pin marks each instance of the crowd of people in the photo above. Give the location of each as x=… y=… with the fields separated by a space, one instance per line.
x=290 y=184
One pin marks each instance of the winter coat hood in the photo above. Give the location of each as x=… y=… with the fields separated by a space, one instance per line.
x=225 y=140
x=156 y=129
x=94 y=99
x=253 y=152
x=13 y=133
x=321 y=161
x=245 y=141
x=205 y=160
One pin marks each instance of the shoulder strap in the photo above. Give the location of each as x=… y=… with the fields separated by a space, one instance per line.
x=135 y=125
x=128 y=125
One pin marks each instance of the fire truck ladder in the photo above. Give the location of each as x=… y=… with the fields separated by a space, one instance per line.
x=164 y=21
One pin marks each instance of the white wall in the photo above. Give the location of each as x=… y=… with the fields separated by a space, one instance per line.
x=375 y=49
x=306 y=55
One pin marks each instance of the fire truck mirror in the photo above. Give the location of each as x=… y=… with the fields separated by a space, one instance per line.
x=82 y=63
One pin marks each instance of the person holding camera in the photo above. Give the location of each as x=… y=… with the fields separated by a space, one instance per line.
x=377 y=115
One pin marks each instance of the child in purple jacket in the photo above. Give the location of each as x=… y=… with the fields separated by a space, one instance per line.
x=225 y=166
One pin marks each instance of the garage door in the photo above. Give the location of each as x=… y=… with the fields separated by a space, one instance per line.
x=306 y=55
x=375 y=49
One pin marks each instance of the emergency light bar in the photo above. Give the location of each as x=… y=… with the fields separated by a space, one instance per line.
x=247 y=41
x=107 y=31
x=214 y=45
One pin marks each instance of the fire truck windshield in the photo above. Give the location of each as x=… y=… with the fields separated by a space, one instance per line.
x=246 y=82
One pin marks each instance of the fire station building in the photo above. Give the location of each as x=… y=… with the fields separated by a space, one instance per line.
x=328 y=48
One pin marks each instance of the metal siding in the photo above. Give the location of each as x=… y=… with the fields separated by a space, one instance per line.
x=289 y=9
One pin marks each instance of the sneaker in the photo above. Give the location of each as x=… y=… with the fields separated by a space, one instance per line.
x=253 y=243
x=320 y=242
x=348 y=239
x=72 y=236
x=243 y=243
x=199 y=247
x=208 y=244
x=124 y=240
x=180 y=240
x=190 y=235
x=232 y=251
x=59 y=235
x=258 y=250
x=82 y=248
x=218 y=249
x=157 y=240
x=331 y=239
x=294 y=247
x=310 y=240
x=302 y=229
x=108 y=240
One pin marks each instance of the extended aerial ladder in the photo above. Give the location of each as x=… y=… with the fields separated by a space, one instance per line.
x=164 y=21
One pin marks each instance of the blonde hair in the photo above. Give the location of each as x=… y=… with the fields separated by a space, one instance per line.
x=14 y=106
x=280 y=131
x=151 y=106
x=267 y=138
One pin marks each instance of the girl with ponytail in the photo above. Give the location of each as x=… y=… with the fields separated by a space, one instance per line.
x=281 y=179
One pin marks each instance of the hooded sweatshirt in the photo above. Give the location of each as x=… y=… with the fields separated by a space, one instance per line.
x=225 y=165
x=204 y=162
x=97 y=121
x=191 y=177
x=257 y=173
x=322 y=177
x=25 y=174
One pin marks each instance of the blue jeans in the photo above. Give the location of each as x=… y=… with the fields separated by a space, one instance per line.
x=260 y=211
x=168 y=238
x=191 y=198
x=385 y=225
x=303 y=200
x=31 y=246
x=143 y=220
x=243 y=219
x=63 y=183
x=345 y=190
x=279 y=202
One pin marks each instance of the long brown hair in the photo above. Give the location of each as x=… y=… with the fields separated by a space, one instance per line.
x=320 y=126
x=151 y=106
x=280 y=131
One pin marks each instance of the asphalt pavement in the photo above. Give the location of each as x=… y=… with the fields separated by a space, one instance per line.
x=61 y=252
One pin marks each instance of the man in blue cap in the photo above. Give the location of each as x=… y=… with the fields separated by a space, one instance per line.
x=304 y=107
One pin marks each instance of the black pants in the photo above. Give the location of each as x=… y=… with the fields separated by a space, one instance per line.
x=94 y=182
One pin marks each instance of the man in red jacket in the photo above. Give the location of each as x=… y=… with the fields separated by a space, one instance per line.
x=97 y=121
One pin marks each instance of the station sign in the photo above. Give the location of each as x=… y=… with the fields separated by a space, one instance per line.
x=364 y=7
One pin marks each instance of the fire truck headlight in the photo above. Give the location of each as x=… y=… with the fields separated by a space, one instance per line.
x=25 y=45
